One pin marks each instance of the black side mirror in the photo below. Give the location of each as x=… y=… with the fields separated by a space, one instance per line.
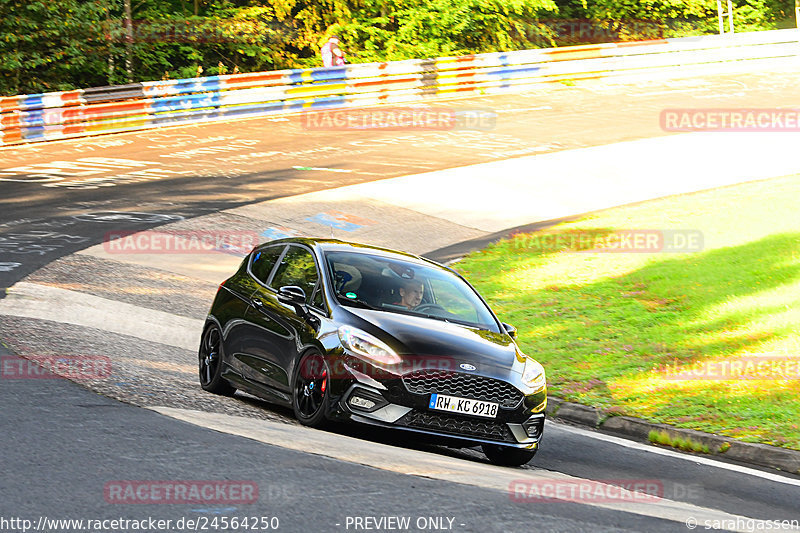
x=511 y=330
x=292 y=295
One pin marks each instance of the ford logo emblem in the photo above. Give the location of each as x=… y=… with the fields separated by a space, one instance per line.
x=467 y=366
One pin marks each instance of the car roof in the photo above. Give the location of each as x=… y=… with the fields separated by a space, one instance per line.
x=336 y=245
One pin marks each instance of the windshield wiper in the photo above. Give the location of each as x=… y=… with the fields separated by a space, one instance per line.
x=455 y=321
x=435 y=317
x=362 y=303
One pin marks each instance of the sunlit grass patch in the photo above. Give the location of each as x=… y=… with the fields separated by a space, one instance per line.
x=604 y=324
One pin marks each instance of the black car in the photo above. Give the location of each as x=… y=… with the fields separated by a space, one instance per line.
x=341 y=331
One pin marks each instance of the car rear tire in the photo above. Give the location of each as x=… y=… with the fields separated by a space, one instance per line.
x=310 y=394
x=507 y=456
x=210 y=363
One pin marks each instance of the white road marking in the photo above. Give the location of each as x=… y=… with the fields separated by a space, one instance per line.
x=42 y=302
x=426 y=464
x=669 y=453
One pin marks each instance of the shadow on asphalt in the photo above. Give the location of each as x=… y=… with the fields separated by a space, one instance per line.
x=379 y=435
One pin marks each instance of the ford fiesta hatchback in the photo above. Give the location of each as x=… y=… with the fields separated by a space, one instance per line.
x=346 y=332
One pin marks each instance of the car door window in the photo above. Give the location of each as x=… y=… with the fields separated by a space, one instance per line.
x=296 y=268
x=263 y=261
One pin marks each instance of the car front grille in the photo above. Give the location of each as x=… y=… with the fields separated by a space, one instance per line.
x=455 y=425
x=463 y=386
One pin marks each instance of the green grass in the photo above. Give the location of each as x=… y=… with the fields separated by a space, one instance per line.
x=606 y=324
x=682 y=443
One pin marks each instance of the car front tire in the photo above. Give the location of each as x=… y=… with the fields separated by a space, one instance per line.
x=310 y=390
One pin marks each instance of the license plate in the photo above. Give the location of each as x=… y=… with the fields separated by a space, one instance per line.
x=465 y=406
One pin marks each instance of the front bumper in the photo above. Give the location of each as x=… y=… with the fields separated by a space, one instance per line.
x=390 y=403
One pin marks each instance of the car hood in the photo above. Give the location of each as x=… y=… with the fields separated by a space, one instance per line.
x=430 y=343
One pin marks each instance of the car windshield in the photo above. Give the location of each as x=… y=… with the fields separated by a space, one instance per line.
x=397 y=286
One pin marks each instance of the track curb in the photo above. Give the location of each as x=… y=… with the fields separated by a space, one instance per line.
x=762 y=455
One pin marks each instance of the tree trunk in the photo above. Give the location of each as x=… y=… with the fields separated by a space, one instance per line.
x=110 y=40
x=128 y=40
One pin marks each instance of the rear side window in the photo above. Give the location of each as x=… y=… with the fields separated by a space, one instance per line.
x=263 y=261
x=296 y=268
x=318 y=300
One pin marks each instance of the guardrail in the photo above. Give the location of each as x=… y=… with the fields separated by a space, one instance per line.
x=83 y=112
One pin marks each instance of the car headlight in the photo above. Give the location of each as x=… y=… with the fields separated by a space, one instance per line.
x=364 y=344
x=533 y=374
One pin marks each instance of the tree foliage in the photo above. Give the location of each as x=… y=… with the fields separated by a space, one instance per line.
x=49 y=46
x=675 y=18
x=400 y=29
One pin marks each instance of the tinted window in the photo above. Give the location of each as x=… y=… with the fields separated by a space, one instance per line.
x=318 y=301
x=454 y=299
x=395 y=285
x=263 y=261
x=296 y=268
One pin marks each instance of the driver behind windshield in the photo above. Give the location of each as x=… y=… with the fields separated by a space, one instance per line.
x=411 y=292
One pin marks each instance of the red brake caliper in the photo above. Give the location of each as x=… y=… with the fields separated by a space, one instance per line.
x=324 y=381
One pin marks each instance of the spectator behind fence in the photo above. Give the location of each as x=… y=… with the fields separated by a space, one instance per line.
x=332 y=55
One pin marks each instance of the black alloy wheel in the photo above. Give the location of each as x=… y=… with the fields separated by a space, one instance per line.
x=210 y=363
x=310 y=395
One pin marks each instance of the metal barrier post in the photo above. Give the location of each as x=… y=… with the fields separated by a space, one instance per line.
x=729 y=14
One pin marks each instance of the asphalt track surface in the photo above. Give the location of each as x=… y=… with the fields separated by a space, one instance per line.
x=56 y=197
x=62 y=442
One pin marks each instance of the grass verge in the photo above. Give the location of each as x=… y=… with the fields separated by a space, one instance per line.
x=682 y=443
x=616 y=330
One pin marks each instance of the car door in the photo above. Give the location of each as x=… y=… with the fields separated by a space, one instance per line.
x=252 y=330
x=281 y=325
